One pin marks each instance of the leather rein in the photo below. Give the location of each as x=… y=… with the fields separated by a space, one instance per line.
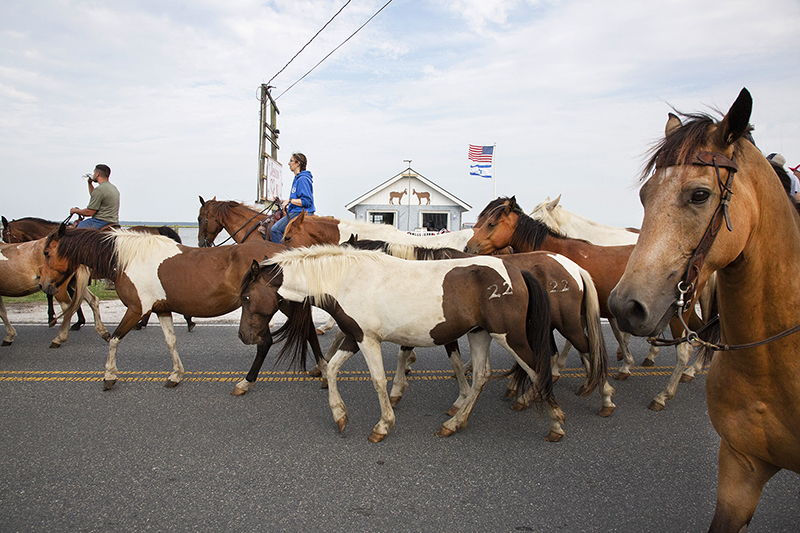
x=687 y=286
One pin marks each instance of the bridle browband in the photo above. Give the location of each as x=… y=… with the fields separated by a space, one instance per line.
x=687 y=285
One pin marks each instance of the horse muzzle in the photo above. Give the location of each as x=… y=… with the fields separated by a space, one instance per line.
x=637 y=316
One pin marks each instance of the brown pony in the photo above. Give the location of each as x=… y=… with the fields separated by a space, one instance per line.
x=704 y=171
x=506 y=224
x=153 y=273
x=240 y=221
x=20 y=268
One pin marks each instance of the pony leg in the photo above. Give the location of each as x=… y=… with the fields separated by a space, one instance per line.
x=94 y=302
x=327 y=326
x=374 y=358
x=681 y=358
x=741 y=479
x=400 y=383
x=338 y=410
x=10 y=331
x=627 y=358
x=650 y=360
x=261 y=353
x=481 y=372
x=169 y=335
x=63 y=329
x=692 y=370
x=320 y=368
x=560 y=361
x=457 y=364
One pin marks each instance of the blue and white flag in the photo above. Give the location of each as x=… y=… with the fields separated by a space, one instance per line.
x=481 y=158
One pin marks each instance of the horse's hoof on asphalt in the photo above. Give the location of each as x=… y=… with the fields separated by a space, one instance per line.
x=394 y=400
x=108 y=383
x=320 y=332
x=375 y=437
x=606 y=411
x=553 y=436
x=324 y=384
x=518 y=406
x=648 y=362
x=452 y=411
x=190 y=326
x=444 y=432
x=315 y=372
x=555 y=378
x=686 y=379
x=106 y=336
x=75 y=327
x=237 y=391
x=51 y=323
x=55 y=345
x=171 y=384
x=137 y=327
x=655 y=406
x=342 y=422
x=621 y=376
x=6 y=343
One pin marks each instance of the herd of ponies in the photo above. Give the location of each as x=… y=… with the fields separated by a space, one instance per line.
x=703 y=264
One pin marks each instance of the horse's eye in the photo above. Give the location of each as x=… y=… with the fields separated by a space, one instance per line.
x=699 y=197
x=46 y=253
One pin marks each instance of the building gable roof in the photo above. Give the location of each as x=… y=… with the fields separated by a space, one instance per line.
x=408 y=173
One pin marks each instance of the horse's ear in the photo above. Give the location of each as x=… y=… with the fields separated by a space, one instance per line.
x=552 y=205
x=255 y=269
x=352 y=240
x=62 y=229
x=5 y=222
x=673 y=123
x=301 y=217
x=512 y=203
x=202 y=202
x=737 y=121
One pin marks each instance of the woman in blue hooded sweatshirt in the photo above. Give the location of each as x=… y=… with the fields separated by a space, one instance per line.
x=301 y=197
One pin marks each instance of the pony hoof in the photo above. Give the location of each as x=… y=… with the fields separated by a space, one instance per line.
x=315 y=372
x=621 y=376
x=137 y=327
x=324 y=384
x=606 y=411
x=108 y=383
x=553 y=436
x=648 y=362
x=394 y=400
x=75 y=327
x=320 y=332
x=518 y=406
x=686 y=379
x=51 y=323
x=237 y=391
x=54 y=345
x=444 y=432
x=342 y=422
x=190 y=327
x=6 y=343
x=583 y=392
x=106 y=336
x=375 y=437
x=655 y=406
x=555 y=378
x=171 y=384
x=452 y=411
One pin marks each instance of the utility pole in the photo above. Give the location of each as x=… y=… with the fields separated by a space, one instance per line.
x=267 y=135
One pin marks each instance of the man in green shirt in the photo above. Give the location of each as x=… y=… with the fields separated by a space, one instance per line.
x=103 y=208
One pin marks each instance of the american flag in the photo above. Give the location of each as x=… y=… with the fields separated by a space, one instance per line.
x=481 y=154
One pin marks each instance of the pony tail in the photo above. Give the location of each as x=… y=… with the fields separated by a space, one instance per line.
x=598 y=362
x=539 y=333
x=295 y=331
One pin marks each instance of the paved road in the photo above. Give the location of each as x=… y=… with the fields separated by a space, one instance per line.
x=144 y=458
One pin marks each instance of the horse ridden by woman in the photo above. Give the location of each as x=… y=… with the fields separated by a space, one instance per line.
x=713 y=204
x=20 y=269
x=155 y=274
x=482 y=298
x=243 y=223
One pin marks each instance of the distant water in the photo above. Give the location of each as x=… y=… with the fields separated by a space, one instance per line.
x=186 y=230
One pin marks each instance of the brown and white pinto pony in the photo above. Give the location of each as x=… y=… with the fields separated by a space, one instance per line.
x=20 y=268
x=574 y=312
x=752 y=389
x=482 y=298
x=155 y=274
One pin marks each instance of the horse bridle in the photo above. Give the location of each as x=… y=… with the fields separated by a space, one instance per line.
x=687 y=285
x=205 y=239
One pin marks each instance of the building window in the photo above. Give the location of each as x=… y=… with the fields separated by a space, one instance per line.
x=382 y=217
x=435 y=221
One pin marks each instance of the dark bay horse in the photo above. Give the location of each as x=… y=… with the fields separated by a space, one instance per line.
x=574 y=312
x=506 y=224
x=32 y=228
x=239 y=220
x=154 y=273
x=480 y=297
x=20 y=268
x=709 y=181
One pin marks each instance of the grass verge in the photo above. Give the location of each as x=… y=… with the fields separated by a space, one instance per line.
x=99 y=287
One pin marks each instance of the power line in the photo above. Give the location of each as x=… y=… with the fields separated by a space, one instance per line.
x=309 y=42
x=334 y=50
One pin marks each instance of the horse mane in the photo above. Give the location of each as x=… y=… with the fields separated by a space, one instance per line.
x=35 y=219
x=225 y=208
x=679 y=146
x=323 y=266
x=409 y=252
x=529 y=230
x=88 y=247
x=492 y=206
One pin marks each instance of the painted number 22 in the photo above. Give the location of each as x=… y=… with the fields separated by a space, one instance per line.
x=496 y=290
x=564 y=286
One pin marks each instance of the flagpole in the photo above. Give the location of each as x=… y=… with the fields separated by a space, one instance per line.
x=494 y=162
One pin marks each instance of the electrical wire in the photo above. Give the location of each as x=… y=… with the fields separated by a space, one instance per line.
x=334 y=50
x=309 y=42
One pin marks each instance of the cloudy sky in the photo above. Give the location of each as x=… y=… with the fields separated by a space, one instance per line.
x=573 y=93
